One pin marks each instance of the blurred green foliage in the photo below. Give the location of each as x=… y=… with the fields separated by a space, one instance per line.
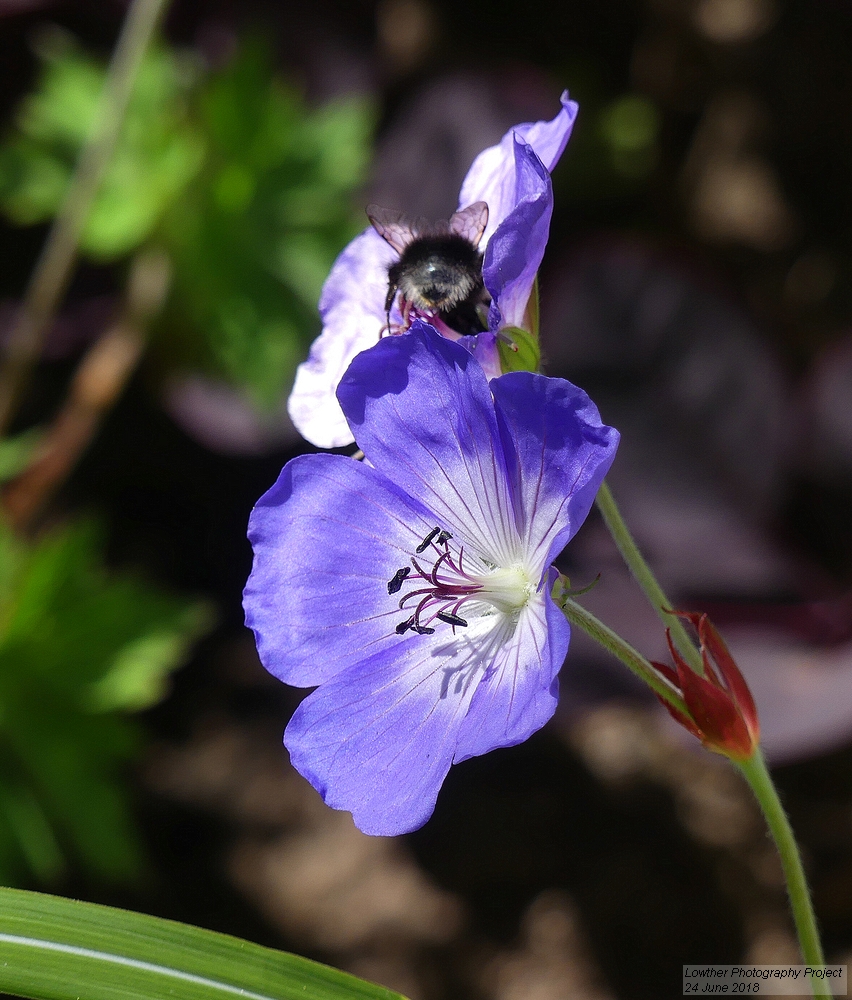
x=615 y=147
x=256 y=234
x=79 y=648
x=247 y=190
x=16 y=453
x=629 y=127
x=158 y=154
x=249 y=194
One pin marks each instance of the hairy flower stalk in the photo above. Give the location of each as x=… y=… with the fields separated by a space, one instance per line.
x=511 y=182
x=413 y=590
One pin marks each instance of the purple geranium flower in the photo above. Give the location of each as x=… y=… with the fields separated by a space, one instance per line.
x=513 y=179
x=413 y=589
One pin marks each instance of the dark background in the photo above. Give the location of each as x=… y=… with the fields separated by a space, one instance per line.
x=697 y=284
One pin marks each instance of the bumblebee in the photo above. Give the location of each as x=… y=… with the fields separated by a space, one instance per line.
x=439 y=271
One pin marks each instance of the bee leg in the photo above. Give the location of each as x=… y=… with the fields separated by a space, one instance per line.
x=388 y=303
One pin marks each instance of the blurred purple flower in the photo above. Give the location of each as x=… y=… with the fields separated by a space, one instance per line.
x=513 y=179
x=414 y=591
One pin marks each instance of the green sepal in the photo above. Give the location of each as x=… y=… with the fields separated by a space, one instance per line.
x=519 y=351
x=562 y=589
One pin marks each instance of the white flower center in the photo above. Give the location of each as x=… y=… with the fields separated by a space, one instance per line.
x=507 y=588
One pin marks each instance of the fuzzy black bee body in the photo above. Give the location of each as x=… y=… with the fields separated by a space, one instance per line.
x=439 y=271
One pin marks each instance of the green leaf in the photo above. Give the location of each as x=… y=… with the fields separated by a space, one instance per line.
x=78 y=645
x=62 y=949
x=259 y=228
x=245 y=187
x=31 y=830
x=157 y=153
x=522 y=354
x=137 y=677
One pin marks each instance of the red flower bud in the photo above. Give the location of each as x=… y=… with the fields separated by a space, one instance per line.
x=722 y=711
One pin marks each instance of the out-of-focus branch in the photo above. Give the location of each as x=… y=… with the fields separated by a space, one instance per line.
x=97 y=384
x=53 y=268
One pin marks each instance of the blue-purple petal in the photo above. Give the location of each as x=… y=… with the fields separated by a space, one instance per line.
x=353 y=314
x=380 y=738
x=491 y=177
x=519 y=692
x=516 y=249
x=483 y=346
x=327 y=537
x=420 y=408
x=557 y=451
x=549 y=138
x=352 y=303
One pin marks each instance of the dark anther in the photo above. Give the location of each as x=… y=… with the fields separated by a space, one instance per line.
x=427 y=541
x=443 y=538
x=450 y=619
x=405 y=626
x=422 y=629
x=395 y=583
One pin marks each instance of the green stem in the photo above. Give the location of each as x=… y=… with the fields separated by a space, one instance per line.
x=645 y=578
x=754 y=770
x=53 y=269
x=757 y=775
x=578 y=615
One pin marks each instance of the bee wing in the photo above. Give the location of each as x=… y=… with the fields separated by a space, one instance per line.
x=392 y=226
x=470 y=222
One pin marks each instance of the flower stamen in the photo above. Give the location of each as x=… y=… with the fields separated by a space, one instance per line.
x=396 y=581
x=447 y=586
x=450 y=619
x=427 y=541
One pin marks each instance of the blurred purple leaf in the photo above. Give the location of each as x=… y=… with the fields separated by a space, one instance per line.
x=221 y=419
